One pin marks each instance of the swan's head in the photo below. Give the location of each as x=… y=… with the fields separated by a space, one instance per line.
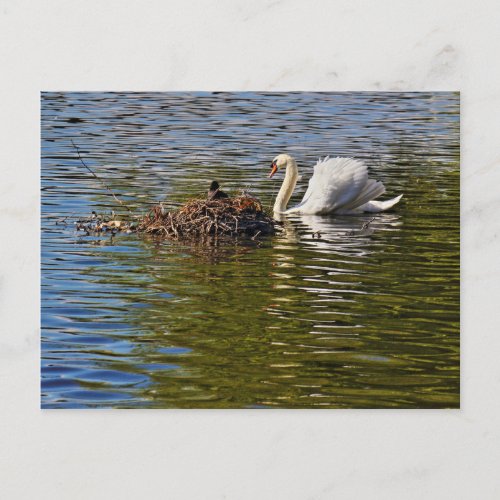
x=281 y=161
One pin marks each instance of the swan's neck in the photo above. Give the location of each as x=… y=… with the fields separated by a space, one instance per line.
x=285 y=193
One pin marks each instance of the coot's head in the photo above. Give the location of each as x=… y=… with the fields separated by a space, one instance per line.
x=214 y=186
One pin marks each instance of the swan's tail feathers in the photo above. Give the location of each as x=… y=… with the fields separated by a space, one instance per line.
x=371 y=190
x=380 y=206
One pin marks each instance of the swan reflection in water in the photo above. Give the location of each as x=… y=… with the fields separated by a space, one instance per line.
x=334 y=268
x=334 y=233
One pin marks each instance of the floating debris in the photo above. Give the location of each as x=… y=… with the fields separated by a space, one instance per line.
x=97 y=223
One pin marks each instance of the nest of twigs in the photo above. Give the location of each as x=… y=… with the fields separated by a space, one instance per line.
x=238 y=216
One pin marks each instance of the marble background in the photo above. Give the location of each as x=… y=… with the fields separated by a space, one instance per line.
x=243 y=45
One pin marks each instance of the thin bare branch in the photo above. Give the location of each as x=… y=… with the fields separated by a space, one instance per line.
x=99 y=179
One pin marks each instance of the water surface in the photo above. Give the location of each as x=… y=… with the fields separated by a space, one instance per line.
x=365 y=317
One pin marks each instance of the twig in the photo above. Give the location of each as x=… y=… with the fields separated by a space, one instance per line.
x=363 y=227
x=62 y=220
x=366 y=224
x=98 y=178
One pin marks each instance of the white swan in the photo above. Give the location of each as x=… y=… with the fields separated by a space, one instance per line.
x=338 y=185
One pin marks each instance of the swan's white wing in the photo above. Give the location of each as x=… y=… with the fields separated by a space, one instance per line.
x=338 y=184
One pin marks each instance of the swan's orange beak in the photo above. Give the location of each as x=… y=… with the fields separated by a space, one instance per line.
x=274 y=169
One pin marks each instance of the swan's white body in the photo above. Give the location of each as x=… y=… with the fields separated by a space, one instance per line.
x=338 y=185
